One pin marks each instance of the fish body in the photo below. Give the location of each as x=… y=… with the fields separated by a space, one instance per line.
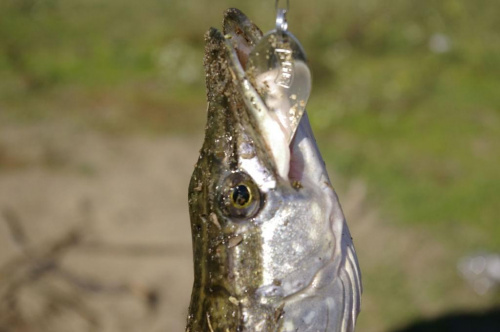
x=272 y=251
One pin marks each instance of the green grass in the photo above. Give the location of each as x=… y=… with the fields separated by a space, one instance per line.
x=421 y=128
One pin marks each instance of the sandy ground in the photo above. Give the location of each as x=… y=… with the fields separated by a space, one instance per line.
x=94 y=231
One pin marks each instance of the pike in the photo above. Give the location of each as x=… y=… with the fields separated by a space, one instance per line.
x=272 y=251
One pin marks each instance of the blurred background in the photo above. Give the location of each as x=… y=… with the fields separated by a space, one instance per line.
x=102 y=113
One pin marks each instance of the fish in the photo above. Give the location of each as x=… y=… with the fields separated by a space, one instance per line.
x=271 y=248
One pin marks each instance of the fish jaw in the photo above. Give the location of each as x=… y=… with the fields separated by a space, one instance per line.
x=251 y=126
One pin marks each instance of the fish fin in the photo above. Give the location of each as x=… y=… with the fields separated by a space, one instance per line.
x=350 y=277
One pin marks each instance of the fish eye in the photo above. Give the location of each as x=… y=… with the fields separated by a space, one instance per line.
x=240 y=196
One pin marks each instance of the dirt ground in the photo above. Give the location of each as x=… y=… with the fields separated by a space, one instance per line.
x=94 y=231
x=95 y=236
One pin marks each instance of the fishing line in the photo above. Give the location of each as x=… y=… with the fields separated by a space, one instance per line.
x=281 y=22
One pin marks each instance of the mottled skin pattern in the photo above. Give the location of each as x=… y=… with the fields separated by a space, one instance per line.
x=221 y=271
x=289 y=267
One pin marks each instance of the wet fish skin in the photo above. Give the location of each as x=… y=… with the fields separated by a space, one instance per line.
x=285 y=262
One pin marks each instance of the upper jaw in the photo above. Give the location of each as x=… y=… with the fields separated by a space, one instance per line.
x=241 y=35
x=243 y=32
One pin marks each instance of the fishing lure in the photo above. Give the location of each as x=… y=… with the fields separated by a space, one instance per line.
x=272 y=251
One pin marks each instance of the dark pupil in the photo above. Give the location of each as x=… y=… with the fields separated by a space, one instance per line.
x=241 y=195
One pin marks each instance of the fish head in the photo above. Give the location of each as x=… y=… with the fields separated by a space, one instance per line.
x=269 y=236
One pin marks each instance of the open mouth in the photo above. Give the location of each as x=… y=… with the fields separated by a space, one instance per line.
x=275 y=81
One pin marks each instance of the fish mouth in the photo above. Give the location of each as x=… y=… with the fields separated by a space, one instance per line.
x=230 y=86
x=241 y=35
